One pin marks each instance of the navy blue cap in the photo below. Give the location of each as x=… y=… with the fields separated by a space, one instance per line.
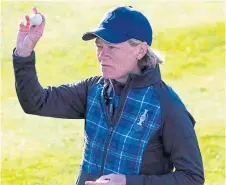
x=121 y=24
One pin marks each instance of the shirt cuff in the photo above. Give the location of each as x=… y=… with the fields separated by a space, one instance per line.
x=16 y=55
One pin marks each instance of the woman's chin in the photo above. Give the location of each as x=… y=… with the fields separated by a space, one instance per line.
x=108 y=76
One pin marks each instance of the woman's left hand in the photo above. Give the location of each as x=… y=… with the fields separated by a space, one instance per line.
x=113 y=179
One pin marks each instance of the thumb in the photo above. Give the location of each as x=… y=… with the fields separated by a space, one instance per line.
x=36 y=32
x=39 y=28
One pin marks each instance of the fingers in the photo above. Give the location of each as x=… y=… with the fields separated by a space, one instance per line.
x=90 y=183
x=22 y=26
x=21 y=23
x=105 y=177
x=34 y=32
x=40 y=28
x=34 y=9
x=27 y=20
x=96 y=183
x=43 y=18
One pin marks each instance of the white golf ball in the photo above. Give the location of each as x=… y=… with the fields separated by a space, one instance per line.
x=36 y=19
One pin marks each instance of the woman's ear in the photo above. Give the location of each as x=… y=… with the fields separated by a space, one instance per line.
x=142 y=50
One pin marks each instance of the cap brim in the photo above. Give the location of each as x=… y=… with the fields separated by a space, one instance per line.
x=106 y=35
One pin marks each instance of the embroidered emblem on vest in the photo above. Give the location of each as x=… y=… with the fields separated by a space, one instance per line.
x=142 y=118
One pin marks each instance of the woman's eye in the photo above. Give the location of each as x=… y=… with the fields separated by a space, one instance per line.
x=99 y=47
x=112 y=47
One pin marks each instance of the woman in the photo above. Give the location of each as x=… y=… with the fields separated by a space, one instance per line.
x=137 y=129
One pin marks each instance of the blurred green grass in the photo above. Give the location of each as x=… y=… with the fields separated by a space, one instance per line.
x=48 y=151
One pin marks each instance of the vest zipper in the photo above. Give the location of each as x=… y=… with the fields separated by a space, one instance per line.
x=106 y=144
x=123 y=95
x=111 y=128
x=105 y=150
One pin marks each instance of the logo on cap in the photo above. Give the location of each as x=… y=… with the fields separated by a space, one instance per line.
x=108 y=17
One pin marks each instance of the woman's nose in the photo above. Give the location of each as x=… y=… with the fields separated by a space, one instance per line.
x=103 y=54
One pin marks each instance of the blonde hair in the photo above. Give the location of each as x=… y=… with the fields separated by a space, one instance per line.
x=151 y=58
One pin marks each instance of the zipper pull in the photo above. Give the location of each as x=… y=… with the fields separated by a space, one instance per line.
x=111 y=129
x=111 y=108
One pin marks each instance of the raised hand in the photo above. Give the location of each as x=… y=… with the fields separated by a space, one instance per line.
x=28 y=35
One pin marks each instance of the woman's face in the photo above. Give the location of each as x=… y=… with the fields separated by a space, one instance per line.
x=117 y=60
